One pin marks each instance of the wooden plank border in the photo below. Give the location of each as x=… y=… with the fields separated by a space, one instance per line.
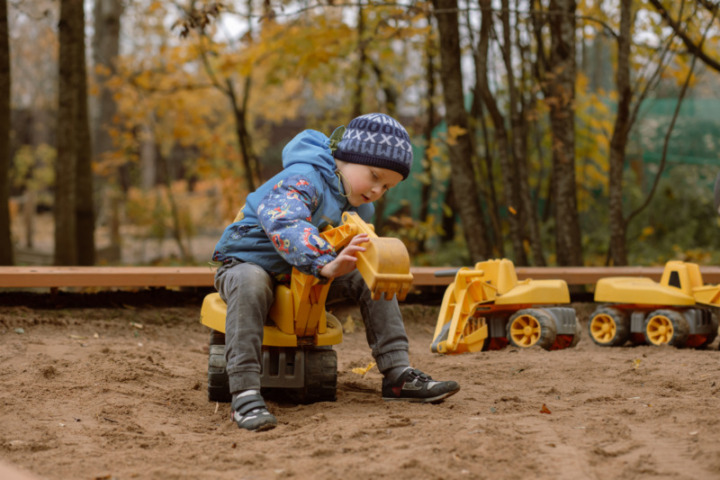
x=25 y=277
x=58 y=277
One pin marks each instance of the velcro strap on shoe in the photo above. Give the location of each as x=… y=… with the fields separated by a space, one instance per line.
x=424 y=377
x=248 y=403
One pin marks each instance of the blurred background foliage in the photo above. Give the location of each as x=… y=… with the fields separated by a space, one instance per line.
x=200 y=98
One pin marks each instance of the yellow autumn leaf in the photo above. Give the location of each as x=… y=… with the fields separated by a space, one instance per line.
x=647 y=231
x=433 y=151
x=154 y=6
x=455 y=131
x=363 y=371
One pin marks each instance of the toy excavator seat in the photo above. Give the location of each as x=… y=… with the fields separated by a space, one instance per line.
x=487 y=307
x=299 y=333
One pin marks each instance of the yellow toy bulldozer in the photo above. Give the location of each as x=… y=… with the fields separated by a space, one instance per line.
x=677 y=311
x=297 y=352
x=486 y=308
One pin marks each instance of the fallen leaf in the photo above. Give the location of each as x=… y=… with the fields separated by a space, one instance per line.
x=363 y=371
x=545 y=409
x=349 y=324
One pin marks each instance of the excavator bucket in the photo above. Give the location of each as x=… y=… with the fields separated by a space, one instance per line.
x=385 y=263
x=385 y=267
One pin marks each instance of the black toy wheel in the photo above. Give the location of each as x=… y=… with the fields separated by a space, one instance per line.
x=218 y=387
x=530 y=327
x=666 y=327
x=320 y=376
x=609 y=327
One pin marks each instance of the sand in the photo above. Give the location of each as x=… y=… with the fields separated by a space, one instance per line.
x=115 y=388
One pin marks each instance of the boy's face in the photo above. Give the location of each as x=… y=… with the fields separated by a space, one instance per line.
x=365 y=183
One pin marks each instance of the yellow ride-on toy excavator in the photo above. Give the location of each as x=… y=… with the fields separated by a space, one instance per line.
x=677 y=311
x=486 y=308
x=297 y=353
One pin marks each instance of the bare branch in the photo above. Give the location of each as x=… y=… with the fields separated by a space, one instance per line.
x=666 y=142
x=695 y=49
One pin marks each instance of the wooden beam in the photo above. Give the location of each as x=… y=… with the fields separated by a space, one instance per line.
x=58 y=277
x=21 y=277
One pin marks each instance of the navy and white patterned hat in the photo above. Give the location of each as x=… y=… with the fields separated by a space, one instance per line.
x=378 y=140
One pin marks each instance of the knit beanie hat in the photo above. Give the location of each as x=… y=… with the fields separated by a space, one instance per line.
x=377 y=140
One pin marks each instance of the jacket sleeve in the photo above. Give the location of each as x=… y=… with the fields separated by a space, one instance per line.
x=286 y=214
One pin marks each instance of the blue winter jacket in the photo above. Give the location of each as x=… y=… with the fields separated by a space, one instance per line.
x=278 y=227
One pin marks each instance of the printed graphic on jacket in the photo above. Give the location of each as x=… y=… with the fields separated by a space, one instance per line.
x=285 y=216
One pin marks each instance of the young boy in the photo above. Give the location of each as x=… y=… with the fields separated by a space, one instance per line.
x=278 y=228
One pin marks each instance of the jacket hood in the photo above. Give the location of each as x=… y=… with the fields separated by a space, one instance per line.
x=311 y=147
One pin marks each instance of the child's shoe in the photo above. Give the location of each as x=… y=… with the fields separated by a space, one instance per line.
x=251 y=413
x=415 y=386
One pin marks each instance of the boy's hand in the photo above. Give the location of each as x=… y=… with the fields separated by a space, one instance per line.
x=346 y=259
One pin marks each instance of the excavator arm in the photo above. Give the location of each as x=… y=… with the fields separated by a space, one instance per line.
x=384 y=265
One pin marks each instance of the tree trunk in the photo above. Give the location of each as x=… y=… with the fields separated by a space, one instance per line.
x=391 y=96
x=462 y=174
x=70 y=34
x=176 y=228
x=496 y=238
x=477 y=113
x=621 y=130
x=357 y=97
x=429 y=128
x=561 y=98
x=484 y=168
x=246 y=150
x=510 y=194
x=528 y=215
x=6 y=244
x=106 y=47
x=85 y=204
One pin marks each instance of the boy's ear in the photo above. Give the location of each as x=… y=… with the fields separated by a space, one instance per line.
x=336 y=137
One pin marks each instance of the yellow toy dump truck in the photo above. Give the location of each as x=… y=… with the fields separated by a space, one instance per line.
x=486 y=308
x=297 y=352
x=677 y=311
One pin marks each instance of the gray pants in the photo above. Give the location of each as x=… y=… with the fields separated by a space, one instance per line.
x=249 y=292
